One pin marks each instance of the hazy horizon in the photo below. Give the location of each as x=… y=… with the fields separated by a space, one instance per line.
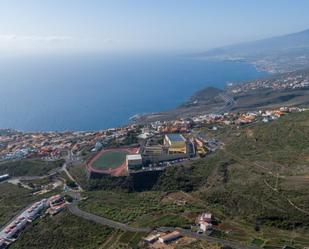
x=36 y=27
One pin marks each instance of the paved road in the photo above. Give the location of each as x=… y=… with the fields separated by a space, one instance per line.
x=65 y=170
x=73 y=208
x=103 y=221
x=107 y=222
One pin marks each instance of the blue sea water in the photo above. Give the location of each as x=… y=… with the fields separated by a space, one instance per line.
x=90 y=92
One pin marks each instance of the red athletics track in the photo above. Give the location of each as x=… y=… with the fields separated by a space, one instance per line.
x=115 y=172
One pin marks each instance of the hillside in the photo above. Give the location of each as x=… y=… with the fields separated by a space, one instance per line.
x=63 y=231
x=206 y=94
x=29 y=167
x=270 y=171
x=297 y=40
x=256 y=187
x=260 y=177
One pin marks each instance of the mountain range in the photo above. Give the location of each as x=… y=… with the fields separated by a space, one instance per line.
x=277 y=54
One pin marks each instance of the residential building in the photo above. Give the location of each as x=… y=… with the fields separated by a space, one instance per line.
x=170 y=237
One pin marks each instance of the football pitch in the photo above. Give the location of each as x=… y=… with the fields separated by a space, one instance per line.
x=110 y=160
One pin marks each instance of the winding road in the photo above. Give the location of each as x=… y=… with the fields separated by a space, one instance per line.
x=103 y=221
x=73 y=208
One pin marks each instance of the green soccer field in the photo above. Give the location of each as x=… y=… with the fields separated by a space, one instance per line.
x=110 y=159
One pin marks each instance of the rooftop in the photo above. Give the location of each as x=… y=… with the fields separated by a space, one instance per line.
x=134 y=157
x=176 y=137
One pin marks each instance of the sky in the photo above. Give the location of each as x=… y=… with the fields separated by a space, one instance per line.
x=36 y=26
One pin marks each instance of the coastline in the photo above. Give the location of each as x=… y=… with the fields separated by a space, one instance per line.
x=162 y=86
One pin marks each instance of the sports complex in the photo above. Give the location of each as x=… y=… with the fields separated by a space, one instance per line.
x=110 y=161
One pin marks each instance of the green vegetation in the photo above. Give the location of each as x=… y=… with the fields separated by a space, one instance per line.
x=110 y=159
x=79 y=174
x=123 y=240
x=189 y=177
x=130 y=239
x=67 y=231
x=63 y=231
x=257 y=188
x=262 y=169
x=71 y=184
x=131 y=138
x=198 y=244
x=28 y=167
x=143 y=209
x=285 y=141
x=268 y=159
x=257 y=242
x=261 y=177
x=12 y=200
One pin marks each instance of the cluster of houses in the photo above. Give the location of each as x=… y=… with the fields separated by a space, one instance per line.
x=292 y=80
x=174 y=127
x=11 y=231
x=230 y=118
x=204 y=223
x=55 y=145
x=165 y=127
x=9 y=234
x=185 y=125
x=58 y=145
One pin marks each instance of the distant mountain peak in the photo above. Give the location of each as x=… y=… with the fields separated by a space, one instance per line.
x=277 y=54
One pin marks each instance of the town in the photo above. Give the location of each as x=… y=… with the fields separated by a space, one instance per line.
x=128 y=150
x=286 y=81
x=50 y=146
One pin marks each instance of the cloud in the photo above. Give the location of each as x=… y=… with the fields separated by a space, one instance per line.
x=12 y=43
x=35 y=38
x=108 y=40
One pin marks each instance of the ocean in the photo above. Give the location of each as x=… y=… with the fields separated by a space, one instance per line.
x=92 y=92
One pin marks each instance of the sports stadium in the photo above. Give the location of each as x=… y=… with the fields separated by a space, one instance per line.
x=110 y=161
